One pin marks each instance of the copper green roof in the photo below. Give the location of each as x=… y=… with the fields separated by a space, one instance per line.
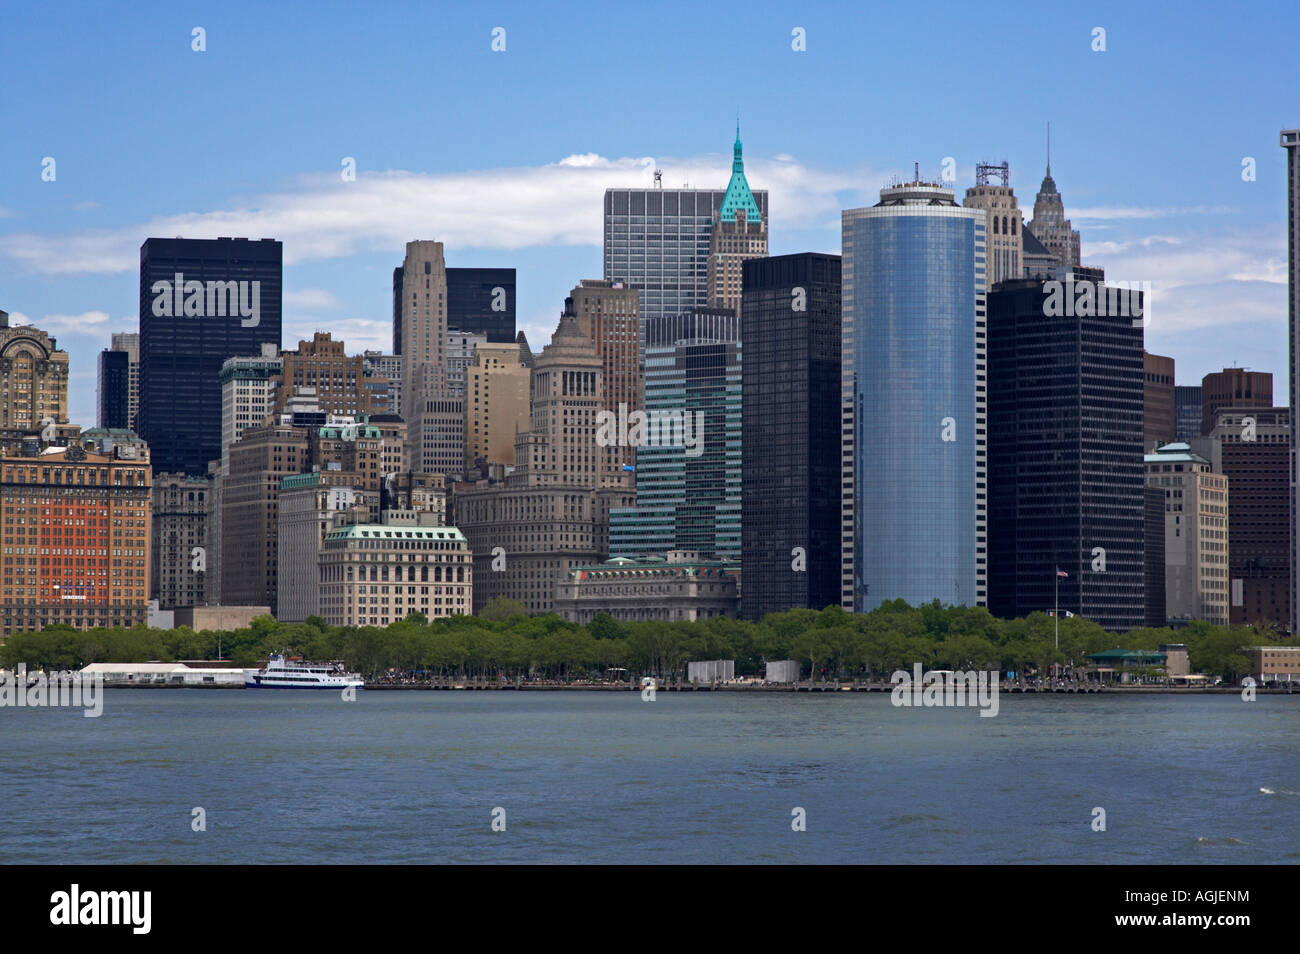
x=738 y=196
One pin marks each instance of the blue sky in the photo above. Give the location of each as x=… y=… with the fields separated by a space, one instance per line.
x=504 y=156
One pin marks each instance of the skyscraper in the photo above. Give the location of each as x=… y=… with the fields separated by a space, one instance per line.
x=1290 y=141
x=609 y=314
x=1158 y=421
x=552 y=512
x=201 y=301
x=1255 y=454
x=1005 y=234
x=914 y=321
x=657 y=240
x=1187 y=412
x=688 y=479
x=1065 y=458
x=739 y=234
x=1236 y=388
x=1196 y=533
x=34 y=385
x=790 y=434
x=118 y=382
x=479 y=301
x=1049 y=224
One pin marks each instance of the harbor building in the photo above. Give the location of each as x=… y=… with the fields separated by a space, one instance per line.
x=679 y=586
x=375 y=574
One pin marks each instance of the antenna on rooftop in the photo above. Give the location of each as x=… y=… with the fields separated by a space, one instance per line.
x=659 y=178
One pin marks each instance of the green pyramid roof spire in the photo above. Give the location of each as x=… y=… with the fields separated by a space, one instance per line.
x=738 y=195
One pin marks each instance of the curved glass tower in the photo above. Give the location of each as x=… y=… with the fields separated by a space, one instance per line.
x=913 y=307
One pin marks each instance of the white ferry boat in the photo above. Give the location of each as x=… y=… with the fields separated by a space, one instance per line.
x=281 y=673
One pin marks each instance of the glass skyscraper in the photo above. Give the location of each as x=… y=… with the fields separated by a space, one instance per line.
x=688 y=491
x=914 y=323
x=790 y=324
x=657 y=240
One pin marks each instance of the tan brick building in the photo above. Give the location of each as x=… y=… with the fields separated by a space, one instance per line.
x=377 y=574
x=496 y=403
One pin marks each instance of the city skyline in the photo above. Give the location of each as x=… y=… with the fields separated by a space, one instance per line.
x=1212 y=244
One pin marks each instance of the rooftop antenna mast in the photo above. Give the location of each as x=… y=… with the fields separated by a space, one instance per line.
x=659 y=178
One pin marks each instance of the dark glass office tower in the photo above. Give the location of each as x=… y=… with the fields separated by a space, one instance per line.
x=479 y=301
x=482 y=301
x=1066 y=472
x=114 y=389
x=790 y=433
x=201 y=301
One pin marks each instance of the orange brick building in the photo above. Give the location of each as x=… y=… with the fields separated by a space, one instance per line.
x=74 y=529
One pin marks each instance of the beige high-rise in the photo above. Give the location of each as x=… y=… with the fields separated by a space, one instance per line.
x=496 y=403
x=609 y=314
x=552 y=512
x=1004 y=241
x=1196 y=533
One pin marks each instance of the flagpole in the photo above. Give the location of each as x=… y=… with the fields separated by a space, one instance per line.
x=1056 y=611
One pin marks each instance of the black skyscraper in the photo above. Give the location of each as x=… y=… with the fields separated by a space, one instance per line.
x=114 y=389
x=228 y=304
x=790 y=443
x=1065 y=462
x=479 y=301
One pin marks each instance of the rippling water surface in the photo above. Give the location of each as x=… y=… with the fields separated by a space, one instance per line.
x=604 y=777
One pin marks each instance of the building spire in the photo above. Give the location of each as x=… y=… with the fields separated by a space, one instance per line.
x=1049 y=147
x=738 y=195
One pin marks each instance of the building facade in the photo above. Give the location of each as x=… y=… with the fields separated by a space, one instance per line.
x=379 y=573
x=657 y=241
x=1289 y=139
x=248 y=394
x=1255 y=453
x=201 y=301
x=1158 y=423
x=496 y=404
x=790 y=434
x=609 y=313
x=1051 y=227
x=1005 y=230
x=33 y=379
x=74 y=522
x=740 y=234
x=913 y=306
x=1234 y=388
x=679 y=586
x=552 y=512
x=1066 y=400
x=1187 y=412
x=322 y=368
x=179 y=556
x=688 y=479
x=118 y=383
x=1196 y=533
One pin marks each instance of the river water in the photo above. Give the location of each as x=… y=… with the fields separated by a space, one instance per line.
x=604 y=777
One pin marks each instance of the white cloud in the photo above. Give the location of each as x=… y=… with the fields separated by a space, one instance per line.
x=556 y=204
x=86 y=323
x=307 y=298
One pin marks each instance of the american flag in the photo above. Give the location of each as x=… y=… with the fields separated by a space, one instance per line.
x=1061 y=573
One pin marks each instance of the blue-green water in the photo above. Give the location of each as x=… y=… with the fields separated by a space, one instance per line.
x=604 y=777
